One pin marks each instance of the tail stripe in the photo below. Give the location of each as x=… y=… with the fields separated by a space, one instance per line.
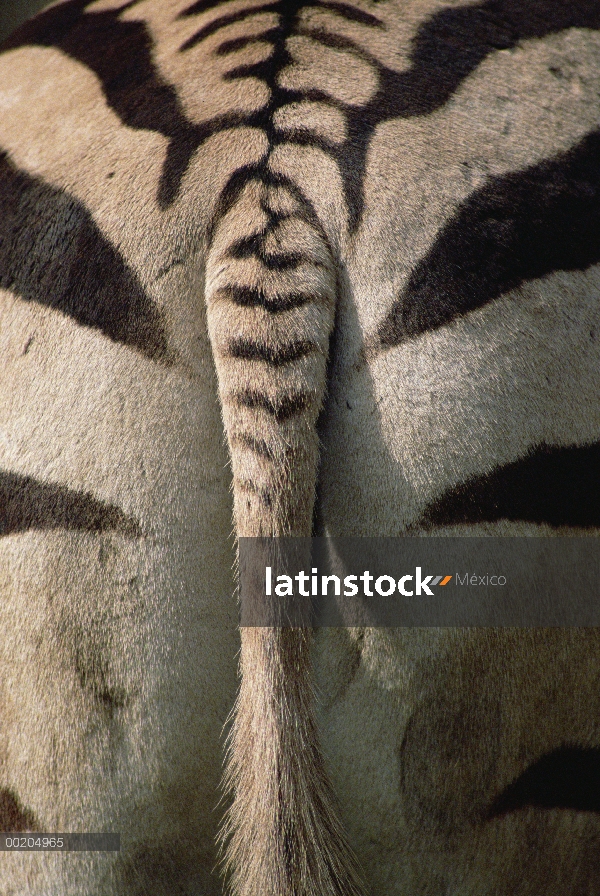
x=246 y=297
x=251 y=443
x=284 y=407
x=254 y=246
x=275 y=356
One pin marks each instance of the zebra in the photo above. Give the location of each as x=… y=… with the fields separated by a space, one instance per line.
x=360 y=240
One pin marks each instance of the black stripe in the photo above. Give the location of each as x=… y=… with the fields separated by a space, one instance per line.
x=239 y=43
x=249 y=246
x=252 y=443
x=120 y=54
x=301 y=136
x=90 y=667
x=53 y=253
x=273 y=355
x=240 y=178
x=263 y=494
x=350 y=13
x=566 y=778
x=278 y=217
x=520 y=226
x=448 y=47
x=451 y=44
x=230 y=194
x=343 y=10
x=246 y=297
x=556 y=486
x=27 y=503
x=260 y=70
x=268 y=71
x=223 y=21
x=201 y=6
x=282 y=408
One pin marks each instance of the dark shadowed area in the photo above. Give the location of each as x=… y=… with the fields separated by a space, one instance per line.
x=13 y=12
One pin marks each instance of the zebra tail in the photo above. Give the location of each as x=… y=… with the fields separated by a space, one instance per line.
x=271 y=296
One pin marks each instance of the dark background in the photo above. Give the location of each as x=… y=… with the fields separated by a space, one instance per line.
x=13 y=12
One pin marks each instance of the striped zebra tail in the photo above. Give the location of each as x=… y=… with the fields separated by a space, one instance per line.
x=271 y=296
